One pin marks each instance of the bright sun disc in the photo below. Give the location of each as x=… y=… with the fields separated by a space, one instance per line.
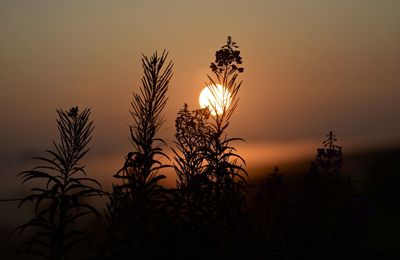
x=216 y=97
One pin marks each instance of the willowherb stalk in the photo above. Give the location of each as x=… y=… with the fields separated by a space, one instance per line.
x=326 y=167
x=329 y=203
x=135 y=201
x=59 y=201
x=141 y=165
x=223 y=162
x=226 y=68
x=211 y=181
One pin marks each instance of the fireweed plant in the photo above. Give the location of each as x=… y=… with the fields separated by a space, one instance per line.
x=328 y=203
x=275 y=218
x=211 y=180
x=321 y=219
x=63 y=185
x=223 y=164
x=194 y=188
x=135 y=204
x=191 y=139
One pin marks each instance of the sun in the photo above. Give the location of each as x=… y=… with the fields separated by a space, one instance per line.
x=216 y=97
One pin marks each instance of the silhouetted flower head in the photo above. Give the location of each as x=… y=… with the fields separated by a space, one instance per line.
x=227 y=58
x=329 y=158
x=73 y=112
x=191 y=123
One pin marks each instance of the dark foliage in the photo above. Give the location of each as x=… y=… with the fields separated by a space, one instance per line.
x=59 y=201
x=191 y=140
x=276 y=218
x=136 y=205
x=328 y=205
x=211 y=180
x=324 y=220
x=191 y=211
x=328 y=162
x=224 y=165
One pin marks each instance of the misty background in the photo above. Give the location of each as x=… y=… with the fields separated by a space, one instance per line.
x=310 y=67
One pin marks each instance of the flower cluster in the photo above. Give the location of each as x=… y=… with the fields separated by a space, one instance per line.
x=73 y=112
x=190 y=125
x=227 y=59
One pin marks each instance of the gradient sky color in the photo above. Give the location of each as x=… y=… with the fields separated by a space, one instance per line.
x=310 y=66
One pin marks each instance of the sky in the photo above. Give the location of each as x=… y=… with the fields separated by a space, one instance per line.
x=310 y=66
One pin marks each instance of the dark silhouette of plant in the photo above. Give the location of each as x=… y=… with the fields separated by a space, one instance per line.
x=194 y=188
x=273 y=183
x=60 y=200
x=328 y=162
x=136 y=204
x=328 y=202
x=191 y=129
x=226 y=69
x=211 y=181
x=278 y=219
x=223 y=163
x=321 y=220
x=324 y=179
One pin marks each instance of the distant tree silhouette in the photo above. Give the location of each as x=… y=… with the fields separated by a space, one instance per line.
x=134 y=206
x=60 y=199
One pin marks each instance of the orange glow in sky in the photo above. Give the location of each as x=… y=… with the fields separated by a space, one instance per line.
x=310 y=66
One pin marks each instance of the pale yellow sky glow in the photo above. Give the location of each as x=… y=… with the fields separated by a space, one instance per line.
x=216 y=98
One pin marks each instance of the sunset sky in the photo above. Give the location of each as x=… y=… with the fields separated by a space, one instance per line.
x=310 y=67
